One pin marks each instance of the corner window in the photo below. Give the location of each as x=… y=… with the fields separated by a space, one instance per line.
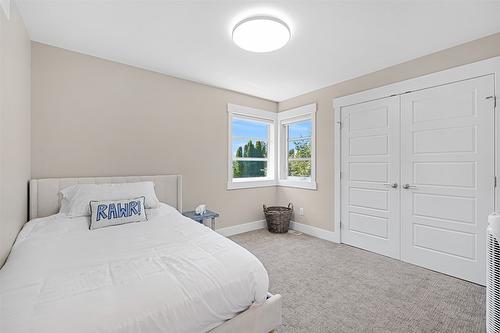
x=251 y=162
x=297 y=147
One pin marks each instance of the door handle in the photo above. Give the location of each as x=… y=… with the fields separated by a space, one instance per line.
x=393 y=185
x=408 y=186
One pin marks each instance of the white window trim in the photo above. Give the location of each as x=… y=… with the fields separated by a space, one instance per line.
x=259 y=115
x=286 y=117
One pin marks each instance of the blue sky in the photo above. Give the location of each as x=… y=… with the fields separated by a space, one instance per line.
x=300 y=129
x=247 y=129
x=251 y=129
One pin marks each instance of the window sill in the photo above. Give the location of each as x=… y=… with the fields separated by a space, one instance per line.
x=308 y=185
x=235 y=185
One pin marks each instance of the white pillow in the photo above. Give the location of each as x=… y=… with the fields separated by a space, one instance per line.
x=75 y=199
x=116 y=212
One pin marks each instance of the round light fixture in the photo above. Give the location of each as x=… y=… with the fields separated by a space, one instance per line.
x=261 y=34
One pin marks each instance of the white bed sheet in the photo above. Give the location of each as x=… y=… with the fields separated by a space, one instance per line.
x=169 y=274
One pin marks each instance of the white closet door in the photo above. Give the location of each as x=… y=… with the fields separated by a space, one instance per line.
x=370 y=164
x=448 y=162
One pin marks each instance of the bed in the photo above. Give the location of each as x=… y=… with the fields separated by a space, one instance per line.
x=169 y=274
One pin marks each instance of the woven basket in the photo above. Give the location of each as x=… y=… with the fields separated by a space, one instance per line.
x=278 y=218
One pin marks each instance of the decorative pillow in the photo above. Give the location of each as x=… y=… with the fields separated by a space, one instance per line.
x=115 y=212
x=75 y=199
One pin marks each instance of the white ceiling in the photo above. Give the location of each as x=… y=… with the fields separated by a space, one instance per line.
x=332 y=41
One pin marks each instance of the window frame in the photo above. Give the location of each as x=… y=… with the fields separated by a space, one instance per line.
x=247 y=113
x=285 y=118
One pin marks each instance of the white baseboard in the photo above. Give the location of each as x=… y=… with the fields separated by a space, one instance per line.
x=241 y=228
x=304 y=228
x=315 y=232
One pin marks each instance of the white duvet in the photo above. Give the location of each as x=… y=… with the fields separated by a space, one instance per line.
x=169 y=274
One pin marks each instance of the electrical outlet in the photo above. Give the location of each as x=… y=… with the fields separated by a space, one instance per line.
x=301 y=211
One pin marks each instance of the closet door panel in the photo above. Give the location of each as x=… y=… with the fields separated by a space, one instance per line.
x=370 y=163
x=448 y=165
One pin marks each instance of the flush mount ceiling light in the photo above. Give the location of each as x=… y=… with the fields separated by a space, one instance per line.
x=261 y=34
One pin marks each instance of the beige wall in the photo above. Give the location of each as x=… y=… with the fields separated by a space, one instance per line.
x=318 y=205
x=92 y=117
x=15 y=165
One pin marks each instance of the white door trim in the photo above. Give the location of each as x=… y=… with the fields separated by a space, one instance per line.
x=477 y=69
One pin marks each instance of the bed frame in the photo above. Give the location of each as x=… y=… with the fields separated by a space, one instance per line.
x=44 y=201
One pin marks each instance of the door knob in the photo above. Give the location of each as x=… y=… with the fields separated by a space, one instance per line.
x=408 y=186
x=393 y=185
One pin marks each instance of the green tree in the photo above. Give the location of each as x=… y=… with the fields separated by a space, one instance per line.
x=301 y=168
x=237 y=165
x=260 y=149
x=243 y=169
x=239 y=152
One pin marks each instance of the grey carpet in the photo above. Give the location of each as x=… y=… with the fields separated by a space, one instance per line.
x=327 y=287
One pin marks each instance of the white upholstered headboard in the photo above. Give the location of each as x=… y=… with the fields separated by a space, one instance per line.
x=44 y=199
